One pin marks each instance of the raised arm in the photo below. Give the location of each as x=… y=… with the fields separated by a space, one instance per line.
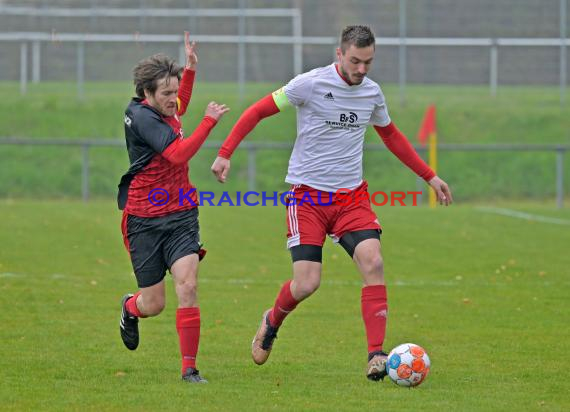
x=246 y=123
x=400 y=146
x=187 y=82
x=182 y=150
x=263 y=108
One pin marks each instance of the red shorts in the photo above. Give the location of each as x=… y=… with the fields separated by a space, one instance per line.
x=312 y=214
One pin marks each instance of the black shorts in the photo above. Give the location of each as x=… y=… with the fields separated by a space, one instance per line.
x=155 y=243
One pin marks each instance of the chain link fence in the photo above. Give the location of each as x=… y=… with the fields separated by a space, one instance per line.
x=532 y=20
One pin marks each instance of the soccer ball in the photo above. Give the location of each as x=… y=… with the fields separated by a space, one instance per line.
x=408 y=365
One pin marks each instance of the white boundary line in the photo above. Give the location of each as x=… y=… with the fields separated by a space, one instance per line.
x=246 y=282
x=523 y=215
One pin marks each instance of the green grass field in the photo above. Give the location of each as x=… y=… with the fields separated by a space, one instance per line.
x=486 y=295
x=466 y=114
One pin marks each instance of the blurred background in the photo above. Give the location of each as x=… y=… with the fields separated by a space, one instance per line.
x=496 y=72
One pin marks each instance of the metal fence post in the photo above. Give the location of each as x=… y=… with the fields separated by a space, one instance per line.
x=402 y=53
x=241 y=51
x=298 y=46
x=142 y=17
x=559 y=178
x=563 y=52
x=23 y=67
x=93 y=18
x=494 y=68
x=192 y=20
x=251 y=168
x=85 y=173
x=36 y=61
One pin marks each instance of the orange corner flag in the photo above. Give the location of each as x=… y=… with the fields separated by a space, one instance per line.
x=428 y=125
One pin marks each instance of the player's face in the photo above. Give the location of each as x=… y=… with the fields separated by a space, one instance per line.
x=164 y=98
x=355 y=62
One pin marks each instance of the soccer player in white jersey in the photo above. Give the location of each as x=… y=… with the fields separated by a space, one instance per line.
x=334 y=106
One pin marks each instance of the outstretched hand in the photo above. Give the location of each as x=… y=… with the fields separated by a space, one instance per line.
x=216 y=110
x=191 y=57
x=442 y=191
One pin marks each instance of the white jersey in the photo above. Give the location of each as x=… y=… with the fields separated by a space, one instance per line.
x=332 y=117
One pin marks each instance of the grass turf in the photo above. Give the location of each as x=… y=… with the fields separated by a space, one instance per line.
x=485 y=294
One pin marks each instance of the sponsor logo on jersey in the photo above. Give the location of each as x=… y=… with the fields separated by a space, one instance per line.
x=345 y=121
x=128 y=121
x=351 y=117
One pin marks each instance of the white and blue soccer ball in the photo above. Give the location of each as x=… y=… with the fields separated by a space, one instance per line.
x=408 y=365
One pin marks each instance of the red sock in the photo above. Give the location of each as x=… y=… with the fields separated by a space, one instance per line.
x=284 y=304
x=132 y=307
x=188 y=327
x=374 y=313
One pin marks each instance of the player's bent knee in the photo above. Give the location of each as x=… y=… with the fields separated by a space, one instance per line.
x=189 y=288
x=152 y=305
x=308 y=287
x=154 y=308
x=373 y=265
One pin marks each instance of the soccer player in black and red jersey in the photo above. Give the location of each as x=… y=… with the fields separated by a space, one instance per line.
x=160 y=227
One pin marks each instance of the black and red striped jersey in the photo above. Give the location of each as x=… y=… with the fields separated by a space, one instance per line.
x=148 y=133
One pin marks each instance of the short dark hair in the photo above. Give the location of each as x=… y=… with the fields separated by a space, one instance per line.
x=149 y=71
x=360 y=36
